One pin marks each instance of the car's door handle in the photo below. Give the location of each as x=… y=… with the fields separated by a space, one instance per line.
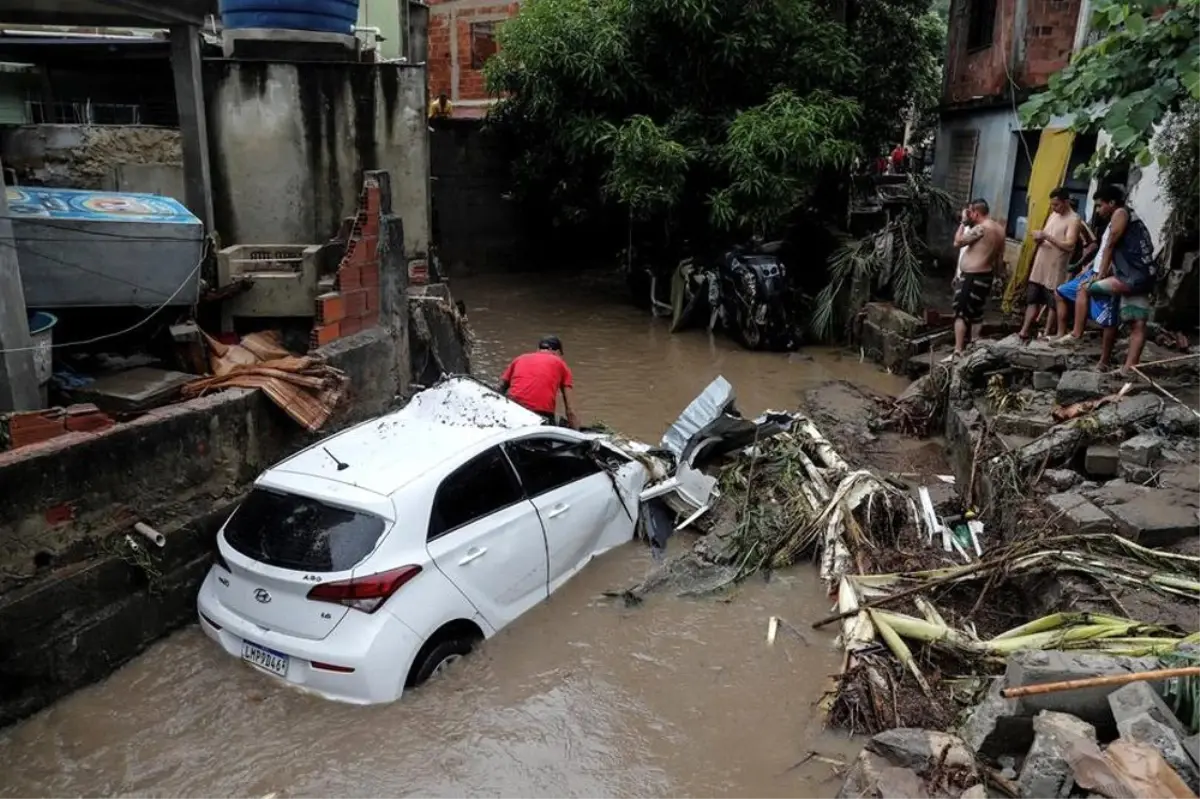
x=472 y=554
x=558 y=510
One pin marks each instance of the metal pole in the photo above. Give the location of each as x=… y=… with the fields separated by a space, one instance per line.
x=18 y=382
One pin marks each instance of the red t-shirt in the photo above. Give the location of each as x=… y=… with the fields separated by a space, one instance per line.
x=535 y=378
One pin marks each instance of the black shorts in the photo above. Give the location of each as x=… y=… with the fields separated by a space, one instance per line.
x=972 y=296
x=1037 y=294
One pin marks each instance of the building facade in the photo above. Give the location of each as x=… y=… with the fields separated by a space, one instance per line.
x=1001 y=52
x=462 y=37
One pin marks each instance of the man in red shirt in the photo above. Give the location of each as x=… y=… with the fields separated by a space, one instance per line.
x=535 y=379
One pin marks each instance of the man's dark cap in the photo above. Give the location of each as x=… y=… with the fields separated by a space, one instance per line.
x=550 y=343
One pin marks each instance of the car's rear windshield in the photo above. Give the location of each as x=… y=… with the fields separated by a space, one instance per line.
x=294 y=532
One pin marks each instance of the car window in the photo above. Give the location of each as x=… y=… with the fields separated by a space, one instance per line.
x=481 y=486
x=544 y=464
x=295 y=532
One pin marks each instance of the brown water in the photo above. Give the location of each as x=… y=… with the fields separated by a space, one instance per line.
x=580 y=697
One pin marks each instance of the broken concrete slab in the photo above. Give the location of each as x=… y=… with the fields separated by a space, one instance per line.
x=1061 y=479
x=1141 y=450
x=1114 y=492
x=1157 y=518
x=1102 y=460
x=895 y=763
x=1191 y=745
x=1176 y=420
x=1045 y=381
x=1089 y=704
x=141 y=389
x=995 y=728
x=1137 y=698
x=1144 y=729
x=1080 y=385
x=1181 y=477
x=1139 y=475
x=1075 y=514
x=1047 y=771
x=1031 y=423
x=920 y=750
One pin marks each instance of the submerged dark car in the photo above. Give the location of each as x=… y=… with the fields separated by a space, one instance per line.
x=755 y=299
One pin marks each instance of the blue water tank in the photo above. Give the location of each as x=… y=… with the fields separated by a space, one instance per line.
x=326 y=16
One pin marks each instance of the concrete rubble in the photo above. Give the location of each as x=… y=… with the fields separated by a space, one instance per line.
x=1052 y=744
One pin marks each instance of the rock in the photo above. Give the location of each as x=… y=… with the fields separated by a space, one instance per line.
x=1047 y=771
x=1102 y=460
x=1184 y=478
x=975 y=792
x=1143 y=450
x=1075 y=514
x=1138 y=475
x=894 y=763
x=1045 y=381
x=1061 y=479
x=1080 y=385
x=1088 y=704
x=1176 y=420
x=1114 y=492
x=994 y=728
x=1137 y=698
x=1031 y=423
x=1144 y=729
x=1191 y=745
x=1156 y=519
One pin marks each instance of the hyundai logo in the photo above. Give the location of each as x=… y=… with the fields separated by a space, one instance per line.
x=262 y=595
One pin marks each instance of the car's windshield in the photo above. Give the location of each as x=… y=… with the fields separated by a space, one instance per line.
x=295 y=532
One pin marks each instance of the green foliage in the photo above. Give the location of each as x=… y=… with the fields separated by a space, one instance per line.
x=700 y=114
x=1143 y=68
x=891 y=257
x=1177 y=147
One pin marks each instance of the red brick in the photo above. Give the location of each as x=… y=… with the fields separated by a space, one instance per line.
x=370 y=246
x=323 y=334
x=60 y=514
x=372 y=293
x=330 y=308
x=351 y=326
x=349 y=278
x=370 y=226
x=369 y=276
x=89 y=422
x=356 y=303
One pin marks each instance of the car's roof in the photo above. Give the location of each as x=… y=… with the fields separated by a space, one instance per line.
x=438 y=423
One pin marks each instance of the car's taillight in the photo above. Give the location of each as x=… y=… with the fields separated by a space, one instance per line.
x=365 y=593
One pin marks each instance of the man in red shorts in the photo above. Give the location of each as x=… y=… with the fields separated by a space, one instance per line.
x=534 y=380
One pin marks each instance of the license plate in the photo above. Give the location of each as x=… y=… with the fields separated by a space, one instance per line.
x=274 y=662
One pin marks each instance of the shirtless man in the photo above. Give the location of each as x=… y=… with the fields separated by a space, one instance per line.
x=1055 y=243
x=983 y=243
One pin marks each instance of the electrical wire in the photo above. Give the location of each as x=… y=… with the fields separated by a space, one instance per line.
x=96 y=339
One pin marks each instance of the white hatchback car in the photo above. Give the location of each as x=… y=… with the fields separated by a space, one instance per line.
x=365 y=563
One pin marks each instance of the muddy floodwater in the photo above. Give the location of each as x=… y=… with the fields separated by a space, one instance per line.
x=581 y=697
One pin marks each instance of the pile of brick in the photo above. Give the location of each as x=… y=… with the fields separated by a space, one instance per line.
x=353 y=304
x=33 y=427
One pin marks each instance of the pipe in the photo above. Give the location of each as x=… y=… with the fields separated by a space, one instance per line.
x=150 y=534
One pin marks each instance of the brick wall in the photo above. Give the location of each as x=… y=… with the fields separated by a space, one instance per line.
x=450 y=42
x=353 y=306
x=1049 y=34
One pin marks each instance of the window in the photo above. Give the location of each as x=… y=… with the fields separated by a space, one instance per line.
x=294 y=532
x=981 y=24
x=483 y=43
x=544 y=464
x=961 y=178
x=476 y=489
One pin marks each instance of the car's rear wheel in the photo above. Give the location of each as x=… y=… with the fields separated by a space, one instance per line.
x=437 y=656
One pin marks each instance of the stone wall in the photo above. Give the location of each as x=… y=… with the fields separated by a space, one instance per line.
x=86 y=156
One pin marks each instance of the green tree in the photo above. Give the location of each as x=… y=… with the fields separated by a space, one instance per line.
x=1144 y=67
x=701 y=115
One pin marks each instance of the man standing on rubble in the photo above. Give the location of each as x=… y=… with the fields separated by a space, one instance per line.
x=534 y=380
x=1055 y=244
x=981 y=240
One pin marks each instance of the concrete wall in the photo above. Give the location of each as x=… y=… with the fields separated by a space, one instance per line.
x=85 y=156
x=290 y=141
x=476 y=229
